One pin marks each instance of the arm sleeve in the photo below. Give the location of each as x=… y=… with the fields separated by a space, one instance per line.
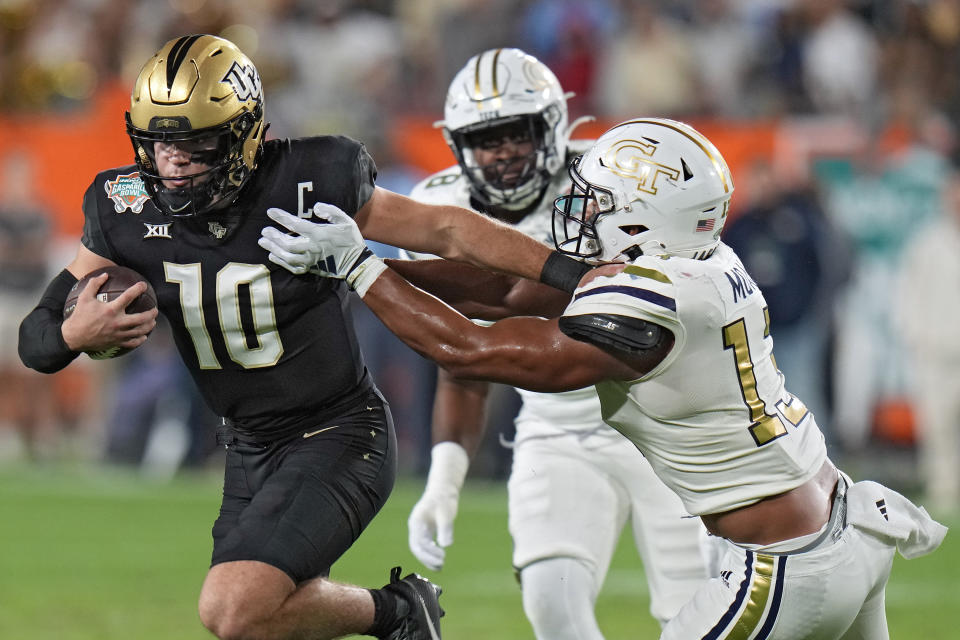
x=41 y=345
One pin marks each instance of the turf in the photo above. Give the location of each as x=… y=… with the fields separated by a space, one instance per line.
x=104 y=555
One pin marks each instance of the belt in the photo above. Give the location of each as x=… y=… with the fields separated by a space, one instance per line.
x=835 y=525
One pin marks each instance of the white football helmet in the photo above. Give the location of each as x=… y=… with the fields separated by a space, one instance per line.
x=507 y=92
x=646 y=187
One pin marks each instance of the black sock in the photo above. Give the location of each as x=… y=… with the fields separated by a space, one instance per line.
x=388 y=610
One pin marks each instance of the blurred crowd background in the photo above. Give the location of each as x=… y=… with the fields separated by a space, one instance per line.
x=838 y=118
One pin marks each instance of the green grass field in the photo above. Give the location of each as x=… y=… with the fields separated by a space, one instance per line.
x=102 y=555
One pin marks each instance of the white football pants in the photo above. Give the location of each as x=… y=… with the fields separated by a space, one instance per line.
x=834 y=591
x=569 y=498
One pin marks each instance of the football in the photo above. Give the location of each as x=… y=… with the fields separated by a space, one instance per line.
x=120 y=279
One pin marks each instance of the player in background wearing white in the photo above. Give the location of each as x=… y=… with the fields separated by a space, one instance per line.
x=575 y=482
x=677 y=343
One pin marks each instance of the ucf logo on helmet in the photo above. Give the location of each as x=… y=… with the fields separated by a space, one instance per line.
x=245 y=82
x=632 y=159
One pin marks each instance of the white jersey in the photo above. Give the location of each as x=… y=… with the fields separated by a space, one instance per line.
x=542 y=414
x=713 y=418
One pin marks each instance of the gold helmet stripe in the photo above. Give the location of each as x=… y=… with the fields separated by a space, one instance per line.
x=178 y=53
x=477 y=92
x=719 y=164
x=495 y=93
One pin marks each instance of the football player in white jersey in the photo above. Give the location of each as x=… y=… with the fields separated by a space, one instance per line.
x=575 y=482
x=677 y=343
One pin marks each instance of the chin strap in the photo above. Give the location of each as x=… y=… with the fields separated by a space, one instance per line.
x=648 y=248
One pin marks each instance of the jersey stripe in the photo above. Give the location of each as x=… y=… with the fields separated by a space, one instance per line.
x=643 y=272
x=644 y=294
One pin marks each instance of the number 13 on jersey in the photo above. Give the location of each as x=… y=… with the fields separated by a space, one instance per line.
x=767 y=425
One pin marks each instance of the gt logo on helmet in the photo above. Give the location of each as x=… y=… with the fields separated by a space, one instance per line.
x=630 y=159
x=598 y=219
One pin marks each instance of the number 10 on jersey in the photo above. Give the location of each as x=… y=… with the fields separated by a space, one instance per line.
x=230 y=280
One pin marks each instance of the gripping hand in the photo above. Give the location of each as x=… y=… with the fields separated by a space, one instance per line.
x=332 y=248
x=430 y=525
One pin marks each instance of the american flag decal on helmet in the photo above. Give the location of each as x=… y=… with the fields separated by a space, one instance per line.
x=705 y=225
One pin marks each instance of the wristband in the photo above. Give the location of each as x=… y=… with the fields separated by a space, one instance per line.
x=563 y=272
x=448 y=466
x=364 y=272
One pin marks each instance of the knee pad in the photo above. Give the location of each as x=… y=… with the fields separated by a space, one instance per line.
x=559 y=595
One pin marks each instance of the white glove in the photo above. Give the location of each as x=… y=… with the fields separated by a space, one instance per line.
x=430 y=523
x=333 y=249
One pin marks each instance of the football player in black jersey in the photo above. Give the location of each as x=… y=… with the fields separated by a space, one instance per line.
x=311 y=451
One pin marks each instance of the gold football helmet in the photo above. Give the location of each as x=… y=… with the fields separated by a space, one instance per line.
x=202 y=94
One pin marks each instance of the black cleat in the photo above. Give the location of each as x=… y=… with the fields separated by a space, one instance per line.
x=422 y=621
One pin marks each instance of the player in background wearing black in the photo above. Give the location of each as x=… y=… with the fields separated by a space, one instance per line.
x=311 y=451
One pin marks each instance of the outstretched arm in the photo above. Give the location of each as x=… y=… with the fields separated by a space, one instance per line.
x=482 y=294
x=527 y=352
x=464 y=236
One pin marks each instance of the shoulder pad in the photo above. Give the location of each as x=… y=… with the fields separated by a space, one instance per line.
x=308 y=148
x=623 y=333
x=442 y=187
x=643 y=284
x=341 y=170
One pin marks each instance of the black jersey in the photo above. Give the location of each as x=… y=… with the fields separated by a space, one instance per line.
x=270 y=351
